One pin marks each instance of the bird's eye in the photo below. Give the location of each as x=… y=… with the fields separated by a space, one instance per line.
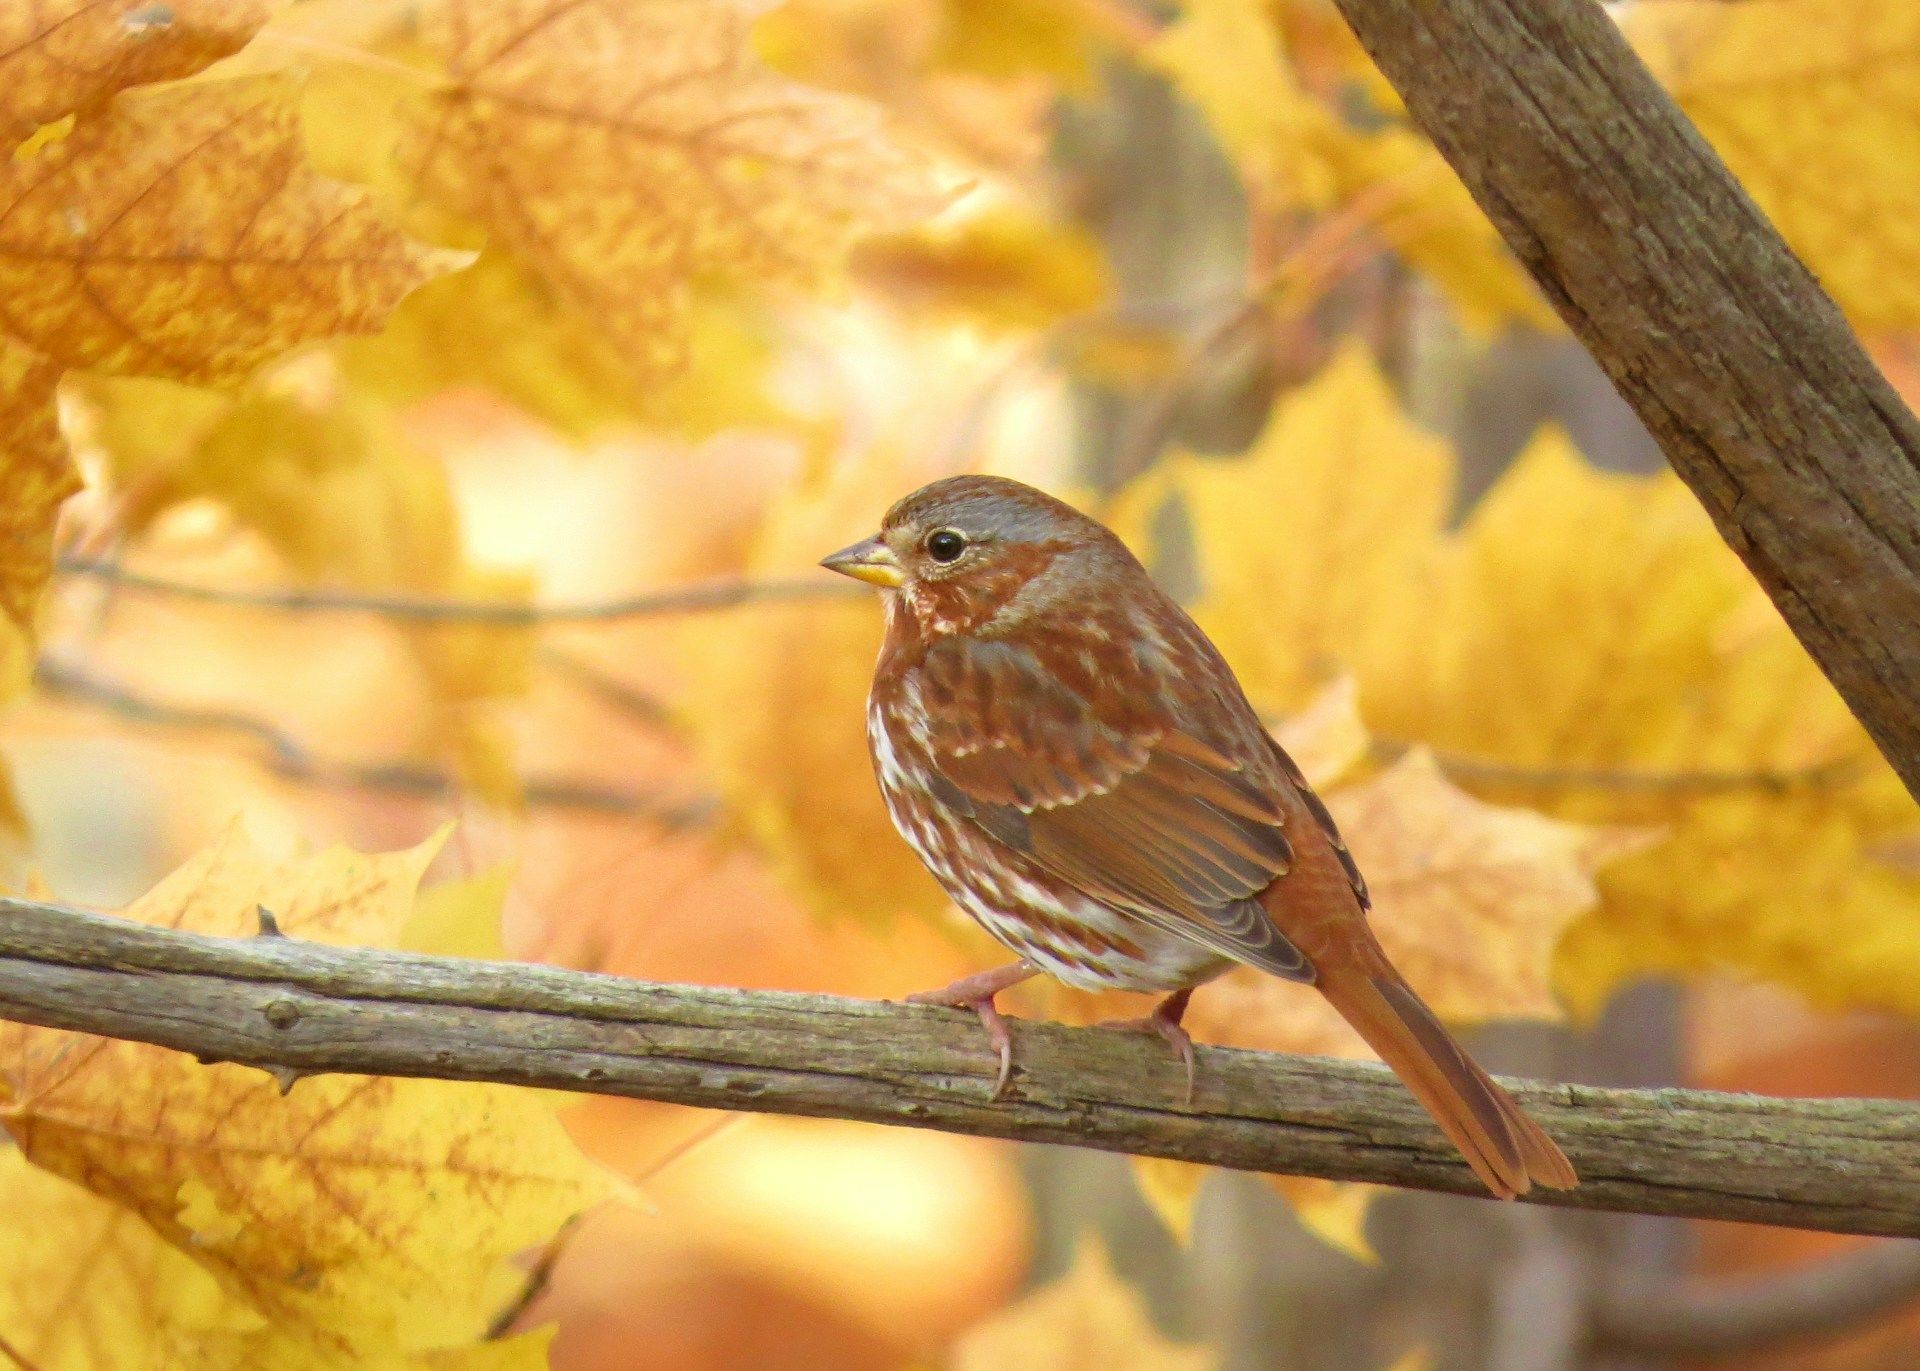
x=946 y=544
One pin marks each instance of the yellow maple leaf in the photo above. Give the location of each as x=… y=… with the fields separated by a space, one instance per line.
x=1010 y=38
x=1350 y=495
x=625 y=152
x=777 y=704
x=1404 y=189
x=368 y=1216
x=1298 y=145
x=182 y=234
x=60 y=56
x=1586 y=646
x=86 y=1285
x=502 y=328
x=1813 y=106
x=1002 y=269
x=1087 y=1318
x=1227 y=56
x=1641 y=677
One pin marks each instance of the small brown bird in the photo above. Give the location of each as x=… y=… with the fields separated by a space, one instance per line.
x=1078 y=767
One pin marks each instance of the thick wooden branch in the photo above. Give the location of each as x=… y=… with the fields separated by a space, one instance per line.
x=1719 y=338
x=299 y=1008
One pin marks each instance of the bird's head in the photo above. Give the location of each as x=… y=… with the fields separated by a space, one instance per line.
x=975 y=554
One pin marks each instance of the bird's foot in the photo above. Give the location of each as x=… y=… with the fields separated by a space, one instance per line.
x=976 y=992
x=1164 y=1022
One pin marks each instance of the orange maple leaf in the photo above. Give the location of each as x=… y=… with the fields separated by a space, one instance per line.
x=183 y=234
x=69 y=55
x=627 y=151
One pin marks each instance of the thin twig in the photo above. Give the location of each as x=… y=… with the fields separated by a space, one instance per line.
x=691 y=599
x=1480 y=771
x=301 y=1008
x=283 y=754
x=1655 y=1316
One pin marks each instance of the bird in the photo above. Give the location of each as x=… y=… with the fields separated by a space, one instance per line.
x=1081 y=771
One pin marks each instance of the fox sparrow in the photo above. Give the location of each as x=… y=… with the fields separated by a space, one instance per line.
x=1078 y=767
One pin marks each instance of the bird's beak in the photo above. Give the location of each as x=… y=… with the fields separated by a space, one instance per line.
x=871 y=561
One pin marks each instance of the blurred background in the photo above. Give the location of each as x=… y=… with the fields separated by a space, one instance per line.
x=1189 y=266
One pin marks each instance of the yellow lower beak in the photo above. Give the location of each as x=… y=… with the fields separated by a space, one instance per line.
x=872 y=561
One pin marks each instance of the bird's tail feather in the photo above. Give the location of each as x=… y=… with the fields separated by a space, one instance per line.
x=1506 y=1149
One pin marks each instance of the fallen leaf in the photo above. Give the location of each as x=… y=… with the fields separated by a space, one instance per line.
x=62 y=56
x=182 y=234
x=625 y=152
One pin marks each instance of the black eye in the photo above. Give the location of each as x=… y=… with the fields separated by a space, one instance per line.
x=945 y=544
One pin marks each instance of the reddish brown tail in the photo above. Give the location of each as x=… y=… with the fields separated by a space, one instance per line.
x=1506 y=1149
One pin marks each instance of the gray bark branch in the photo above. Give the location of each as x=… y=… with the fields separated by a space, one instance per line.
x=1724 y=344
x=298 y=1008
x=1717 y=1318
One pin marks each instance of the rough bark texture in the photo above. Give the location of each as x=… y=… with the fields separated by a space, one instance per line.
x=1726 y=346
x=299 y=1008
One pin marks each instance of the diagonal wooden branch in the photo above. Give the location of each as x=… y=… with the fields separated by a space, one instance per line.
x=299 y=1008
x=1713 y=331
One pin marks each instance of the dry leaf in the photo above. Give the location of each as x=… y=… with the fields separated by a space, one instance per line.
x=59 y=56
x=626 y=152
x=1088 y=1320
x=367 y=1216
x=181 y=234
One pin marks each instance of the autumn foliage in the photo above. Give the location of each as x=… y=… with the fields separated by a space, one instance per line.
x=361 y=362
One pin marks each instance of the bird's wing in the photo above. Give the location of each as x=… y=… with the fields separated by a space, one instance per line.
x=1141 y=815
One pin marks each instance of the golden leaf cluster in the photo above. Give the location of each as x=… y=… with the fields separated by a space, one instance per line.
x=626 y=169
x=196 y=1214
x=1584 y=645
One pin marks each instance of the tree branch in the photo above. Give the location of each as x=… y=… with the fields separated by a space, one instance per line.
x=688 y=599
x=300 y=1008
x=1712 y=330
x=285 y=756
x=1655 y=1316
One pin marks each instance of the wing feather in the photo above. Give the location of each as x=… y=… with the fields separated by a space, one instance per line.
x=1148 y=819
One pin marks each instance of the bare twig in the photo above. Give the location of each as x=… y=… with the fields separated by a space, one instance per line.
x=691 y=599
x=1649 y=781
x=301 y=1008
x=1655 y=1316
x=283 y=754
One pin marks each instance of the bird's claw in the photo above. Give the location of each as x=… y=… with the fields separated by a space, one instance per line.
x=1164 y=1022
x=976 y=992
x=999 y=1035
